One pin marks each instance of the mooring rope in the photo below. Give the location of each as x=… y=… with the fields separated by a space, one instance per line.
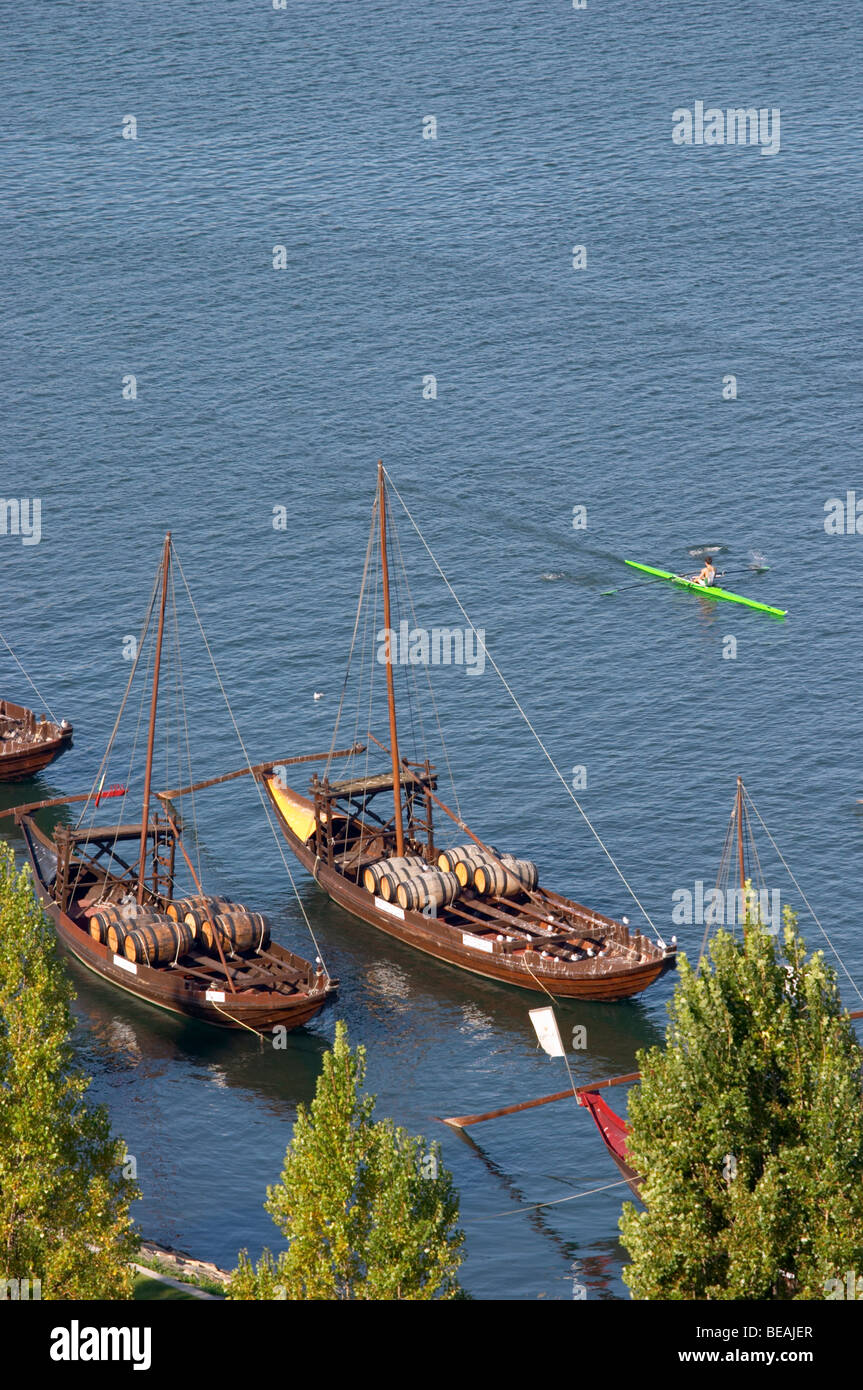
x=553 y=1202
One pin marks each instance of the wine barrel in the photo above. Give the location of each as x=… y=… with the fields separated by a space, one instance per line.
x=388 y=885
x=99 y=926
x=403 y=864
x=448 y=858
x=523 y=869
x=194 y=918
x=237 y=932
x=177 y=910
x=461 y=860
x=507 y=878
x=157 y=943
x=467 y=862
x=128 y=914
x=434 y=886
x=115 y=936
x=208 y=910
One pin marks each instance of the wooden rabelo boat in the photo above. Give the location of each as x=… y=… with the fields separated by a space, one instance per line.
x=28 y=744
x=369 y=842
x=110 y=891
x=613 y=1130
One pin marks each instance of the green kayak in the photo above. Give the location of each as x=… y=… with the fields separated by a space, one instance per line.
x=708 y=591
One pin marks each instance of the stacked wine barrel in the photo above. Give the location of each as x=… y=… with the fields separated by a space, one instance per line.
x=500 y=875
x=461 y=861
x=384 y=877
x=140 y=933
x=237 y=932
x=159 y=942
x=433 y=886
x=219 y=921
x=147 y=936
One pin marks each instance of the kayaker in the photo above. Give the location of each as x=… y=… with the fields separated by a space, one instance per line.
x=707 y=574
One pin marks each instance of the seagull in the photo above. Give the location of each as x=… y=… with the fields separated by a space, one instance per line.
x=319 y=694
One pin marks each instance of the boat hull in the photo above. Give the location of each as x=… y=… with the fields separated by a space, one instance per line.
x=20 y=764
x=257 y=1010
x=613 y=1131
x=446 y=943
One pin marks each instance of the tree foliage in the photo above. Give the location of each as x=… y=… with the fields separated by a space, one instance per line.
x=64 y=1199
x=748 y=1127
x=367 y=1210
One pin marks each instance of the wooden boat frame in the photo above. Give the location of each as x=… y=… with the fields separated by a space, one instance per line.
x=537 y=940
x=75 y=868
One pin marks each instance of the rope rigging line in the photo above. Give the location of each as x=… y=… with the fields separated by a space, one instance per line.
x=606 y=851
x=261 y=796
x=103 y=765
x=430 y=683
x=182 y=705
x=417 y=743
x=723 y=874
x=369 y=545
x=142 y=705
x=815 y=917
x=42 y=701
x=553 y=1202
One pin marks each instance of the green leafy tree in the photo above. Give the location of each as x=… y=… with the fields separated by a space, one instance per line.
x=64 y=1198
x=367 y=1210
x=748 y=1127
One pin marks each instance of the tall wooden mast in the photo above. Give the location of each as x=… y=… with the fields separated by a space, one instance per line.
x=394 y=742
x=154 y=700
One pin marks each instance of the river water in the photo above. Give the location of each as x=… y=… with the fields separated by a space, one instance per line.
x=555 y=388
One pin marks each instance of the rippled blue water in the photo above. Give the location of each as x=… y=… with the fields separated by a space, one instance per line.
x=603 y=387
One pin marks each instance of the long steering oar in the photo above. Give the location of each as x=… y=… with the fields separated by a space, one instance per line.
x=462 y=1121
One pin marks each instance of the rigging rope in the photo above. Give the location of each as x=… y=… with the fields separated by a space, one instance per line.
x=815 y=918
x=103 y=765
x=181 y=704
x=42 y=699
x=261 y=796
x=353 y=641
x=430 y=683
x=606 y=851
x=553 y=1202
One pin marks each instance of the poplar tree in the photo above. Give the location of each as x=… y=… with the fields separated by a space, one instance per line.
x=748 y=1129
x=367 y=1210
x=64 y=1197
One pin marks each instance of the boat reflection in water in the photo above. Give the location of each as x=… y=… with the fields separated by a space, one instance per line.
x=117 y=1037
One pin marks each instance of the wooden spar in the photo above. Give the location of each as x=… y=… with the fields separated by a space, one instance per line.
x=462 y=1121
x=197 y=881
x=391 y=699
x=62 y=801
x=151 y=737
x=460 y=823
x=258 y=768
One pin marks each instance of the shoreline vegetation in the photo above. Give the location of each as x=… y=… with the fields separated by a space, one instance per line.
x=747 y=1127
x=369 y=1211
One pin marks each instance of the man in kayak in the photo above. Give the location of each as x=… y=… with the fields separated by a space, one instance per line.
x=707 y=574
